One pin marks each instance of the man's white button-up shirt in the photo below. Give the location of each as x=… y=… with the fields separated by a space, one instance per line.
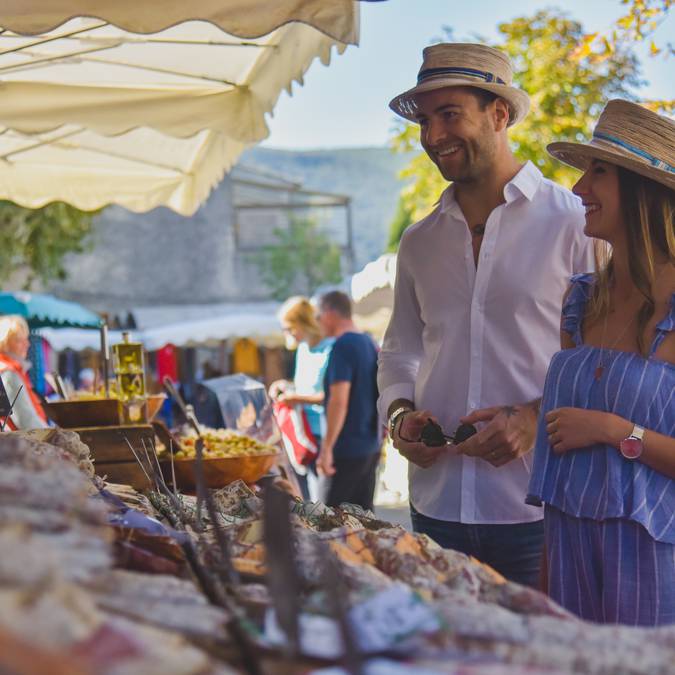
x=463 y=337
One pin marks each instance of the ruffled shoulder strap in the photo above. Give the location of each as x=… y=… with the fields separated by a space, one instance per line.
x=574 y=307
x=665 y=326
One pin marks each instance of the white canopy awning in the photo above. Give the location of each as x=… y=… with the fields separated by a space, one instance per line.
x=244 y=18
x=201 y=325
x=138 y=170
x=372 y=290
x=95 y=114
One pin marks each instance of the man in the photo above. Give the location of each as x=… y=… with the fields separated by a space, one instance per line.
x=350 y=449
x=478 y=293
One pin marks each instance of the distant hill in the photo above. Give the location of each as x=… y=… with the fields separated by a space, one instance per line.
x=368 y=175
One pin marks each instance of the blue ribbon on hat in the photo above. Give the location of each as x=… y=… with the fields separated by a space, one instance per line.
x=471 y=72
x=654 y=161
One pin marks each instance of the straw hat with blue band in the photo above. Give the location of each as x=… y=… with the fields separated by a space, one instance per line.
x=629 y=136
x=464 y=65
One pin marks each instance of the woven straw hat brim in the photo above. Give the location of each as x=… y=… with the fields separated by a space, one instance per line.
x=579 y=156
x=403 y=104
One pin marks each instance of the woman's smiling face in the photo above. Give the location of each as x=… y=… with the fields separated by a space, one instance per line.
x=600 y=195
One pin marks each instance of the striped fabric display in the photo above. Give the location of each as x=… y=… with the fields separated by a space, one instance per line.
x=654 y=161
x=464 y=72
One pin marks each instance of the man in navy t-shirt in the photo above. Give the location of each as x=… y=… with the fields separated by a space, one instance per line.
x=350 y=449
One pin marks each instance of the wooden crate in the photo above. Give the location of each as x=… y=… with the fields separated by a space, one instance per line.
x=112 y=457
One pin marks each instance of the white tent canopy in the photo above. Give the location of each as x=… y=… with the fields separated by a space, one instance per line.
x=372 y=290
x=244 y=18
x=202 y=325
x=94 y=114
x=139 y=170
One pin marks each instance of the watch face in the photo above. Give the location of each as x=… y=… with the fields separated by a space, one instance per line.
x=631 y=448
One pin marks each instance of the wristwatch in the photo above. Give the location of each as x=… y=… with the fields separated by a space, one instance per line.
x=394 y=418
x=631 y=447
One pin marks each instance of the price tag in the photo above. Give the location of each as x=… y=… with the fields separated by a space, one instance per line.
x=390 y=616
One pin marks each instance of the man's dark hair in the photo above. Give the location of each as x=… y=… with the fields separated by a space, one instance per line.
x=337 y=301
x=485 y=97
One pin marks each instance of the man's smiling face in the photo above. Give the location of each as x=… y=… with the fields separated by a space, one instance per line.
x=457 y=131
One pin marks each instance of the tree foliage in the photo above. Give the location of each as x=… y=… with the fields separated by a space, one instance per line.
x=402 y=219
x=35 y=241
x=302 y=259
x=639 y=23
x=566 y=97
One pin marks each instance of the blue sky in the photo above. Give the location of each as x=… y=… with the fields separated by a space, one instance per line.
x=345 y=104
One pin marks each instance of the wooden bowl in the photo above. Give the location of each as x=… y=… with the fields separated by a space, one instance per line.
x=220 y=471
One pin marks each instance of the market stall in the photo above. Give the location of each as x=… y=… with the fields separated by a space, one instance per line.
x=104 y=579
x=144 y=104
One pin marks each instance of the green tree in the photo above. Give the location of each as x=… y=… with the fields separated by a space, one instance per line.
x=35 y=241
x=566 y=97
x=639 y=24
x=401 y=220
x=302 y=259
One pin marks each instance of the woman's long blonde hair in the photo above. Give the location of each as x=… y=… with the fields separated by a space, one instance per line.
x=648 y=208
x=300 y=313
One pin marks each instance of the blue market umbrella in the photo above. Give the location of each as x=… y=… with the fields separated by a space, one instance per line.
x=42 y=311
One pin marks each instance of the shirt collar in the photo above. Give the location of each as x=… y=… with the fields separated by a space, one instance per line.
x=524 y=183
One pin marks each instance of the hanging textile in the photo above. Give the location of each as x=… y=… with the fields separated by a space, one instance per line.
x=245 y=357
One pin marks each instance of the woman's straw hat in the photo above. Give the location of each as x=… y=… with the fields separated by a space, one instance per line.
x=464 y=65
x=631 y=137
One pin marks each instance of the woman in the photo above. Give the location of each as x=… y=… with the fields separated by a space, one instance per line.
x=298 y=321
x=14 y=345
x=604 y=460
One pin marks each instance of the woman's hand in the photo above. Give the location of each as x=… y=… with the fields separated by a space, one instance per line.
x=576 y=428
x=277 y=388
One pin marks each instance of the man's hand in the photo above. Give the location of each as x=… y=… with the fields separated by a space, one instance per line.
x=406 y=439
x=288 y=399
x=324 y=463
x=509 y=433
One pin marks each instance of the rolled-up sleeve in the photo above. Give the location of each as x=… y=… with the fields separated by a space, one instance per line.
x=399 y=358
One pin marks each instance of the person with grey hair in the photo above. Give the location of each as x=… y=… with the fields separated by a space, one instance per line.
x=14 y=345
x=350 y=449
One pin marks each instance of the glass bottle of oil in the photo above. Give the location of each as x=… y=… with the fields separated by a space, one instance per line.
x=128 y=363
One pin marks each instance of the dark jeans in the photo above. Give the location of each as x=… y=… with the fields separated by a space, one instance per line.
x=515 y=551
x=353 y=481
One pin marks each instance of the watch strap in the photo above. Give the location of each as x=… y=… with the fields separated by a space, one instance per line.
x=394 y=418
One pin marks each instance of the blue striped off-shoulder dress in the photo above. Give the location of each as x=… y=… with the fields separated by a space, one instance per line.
x=595 y=487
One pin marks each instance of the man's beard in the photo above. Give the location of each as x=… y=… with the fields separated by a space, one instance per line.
x=478 y=158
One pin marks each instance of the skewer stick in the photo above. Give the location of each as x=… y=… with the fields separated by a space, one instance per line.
x=131 y=447
x=173 y=467
x=11 y=407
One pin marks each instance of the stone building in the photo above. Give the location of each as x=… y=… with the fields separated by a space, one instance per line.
x=163 y=259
